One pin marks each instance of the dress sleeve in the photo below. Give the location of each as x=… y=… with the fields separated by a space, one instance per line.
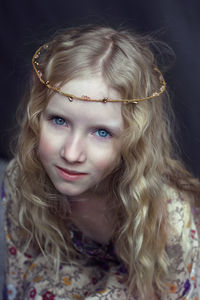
x=183 y=249
x=16 y=261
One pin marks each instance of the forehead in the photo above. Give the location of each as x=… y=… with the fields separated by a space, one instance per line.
x=94 y=88
x=91 y=86
x=85 y=110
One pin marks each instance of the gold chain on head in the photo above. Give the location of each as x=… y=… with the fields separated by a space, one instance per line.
x=70 y=97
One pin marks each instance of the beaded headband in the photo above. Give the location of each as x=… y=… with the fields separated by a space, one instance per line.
x=70 y=97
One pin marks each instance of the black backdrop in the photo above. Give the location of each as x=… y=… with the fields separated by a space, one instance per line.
x=25 y=24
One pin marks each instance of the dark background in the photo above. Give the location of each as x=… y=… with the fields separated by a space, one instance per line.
x=25 y=25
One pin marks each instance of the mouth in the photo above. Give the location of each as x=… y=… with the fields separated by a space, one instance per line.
x=71 y=171
x=70 y=175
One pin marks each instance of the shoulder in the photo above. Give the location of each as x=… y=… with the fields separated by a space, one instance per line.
x=183 y=244
x=182 y=220
x=179 y=210
x=9 y=192
x=15 y=233
x=10 y=178
x=17 y=259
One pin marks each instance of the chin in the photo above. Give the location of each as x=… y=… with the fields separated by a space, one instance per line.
x=73 y=192
x=75 y=189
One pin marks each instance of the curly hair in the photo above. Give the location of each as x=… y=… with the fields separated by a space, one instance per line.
x=148 y=160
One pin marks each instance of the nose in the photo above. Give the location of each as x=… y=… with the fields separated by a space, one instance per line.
x=73 y=150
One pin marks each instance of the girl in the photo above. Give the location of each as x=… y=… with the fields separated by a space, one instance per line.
x=97 y=205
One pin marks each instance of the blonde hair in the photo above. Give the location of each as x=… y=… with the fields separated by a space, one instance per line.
x=148 y=162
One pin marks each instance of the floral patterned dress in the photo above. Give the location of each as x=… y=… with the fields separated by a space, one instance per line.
x=99 y=275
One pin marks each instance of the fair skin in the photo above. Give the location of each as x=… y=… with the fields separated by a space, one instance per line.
x=80 y=145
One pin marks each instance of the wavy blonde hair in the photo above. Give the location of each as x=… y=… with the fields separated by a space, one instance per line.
x=148 y=162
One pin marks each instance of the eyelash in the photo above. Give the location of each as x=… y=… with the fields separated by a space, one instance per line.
x=54 y=118
x=105 y=130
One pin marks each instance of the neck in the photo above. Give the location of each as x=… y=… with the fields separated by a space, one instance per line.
x=90 y=214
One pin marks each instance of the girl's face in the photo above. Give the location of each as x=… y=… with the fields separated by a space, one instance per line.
x=80 y=141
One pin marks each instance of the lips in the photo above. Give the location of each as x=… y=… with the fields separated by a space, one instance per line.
x=71 y=172
x=70 y=175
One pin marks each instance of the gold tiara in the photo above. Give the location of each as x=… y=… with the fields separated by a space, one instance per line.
x=36 y=65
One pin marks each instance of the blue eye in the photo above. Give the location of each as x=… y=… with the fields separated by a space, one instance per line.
x=102 y=133
x=59 y=121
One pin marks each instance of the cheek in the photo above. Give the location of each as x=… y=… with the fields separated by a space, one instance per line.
x=46 y=148
x=106 y=161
